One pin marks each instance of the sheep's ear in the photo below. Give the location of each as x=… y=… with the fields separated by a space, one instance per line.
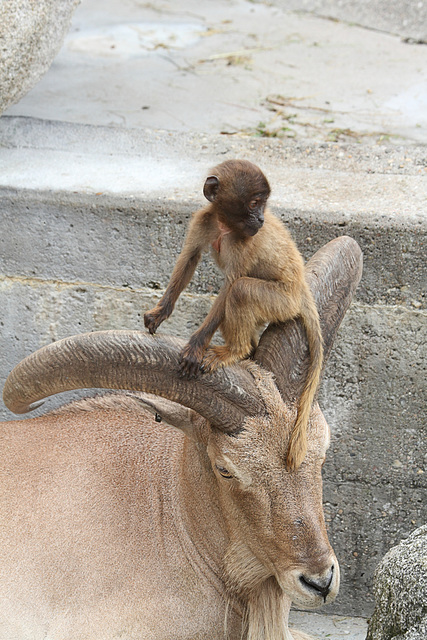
x=171 y=413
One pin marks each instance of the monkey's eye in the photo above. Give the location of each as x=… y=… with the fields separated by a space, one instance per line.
x=253 y=204
x=223 y=472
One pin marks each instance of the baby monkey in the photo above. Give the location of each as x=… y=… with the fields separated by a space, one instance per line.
x=264 y=282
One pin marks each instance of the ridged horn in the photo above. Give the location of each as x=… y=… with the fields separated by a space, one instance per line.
x=333 y=274
x=136 y=361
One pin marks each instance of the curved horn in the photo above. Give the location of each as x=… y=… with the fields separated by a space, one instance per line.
x=333 y=274
x=136 y=361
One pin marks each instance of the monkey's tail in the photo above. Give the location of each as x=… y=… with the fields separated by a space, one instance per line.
x=298 y=440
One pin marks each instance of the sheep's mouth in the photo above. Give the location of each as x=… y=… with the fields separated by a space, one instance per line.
x=309 y=592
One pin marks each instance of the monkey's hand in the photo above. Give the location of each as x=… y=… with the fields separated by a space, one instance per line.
x=154 y=318
x=191 y=358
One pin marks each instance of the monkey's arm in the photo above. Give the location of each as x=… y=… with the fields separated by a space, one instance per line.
x=192 y=354
x=181 y=276
x=195 y=242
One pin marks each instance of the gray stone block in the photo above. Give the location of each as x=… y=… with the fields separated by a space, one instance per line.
x=31 y=34
x=401 y=592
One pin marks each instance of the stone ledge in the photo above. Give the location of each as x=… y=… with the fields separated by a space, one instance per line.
x=120 y=240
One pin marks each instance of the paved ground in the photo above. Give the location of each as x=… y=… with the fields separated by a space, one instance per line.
x=218 y=76
x=324 y=627
x=238 y=67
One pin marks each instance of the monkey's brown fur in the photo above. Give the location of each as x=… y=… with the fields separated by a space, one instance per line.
x=264 y=282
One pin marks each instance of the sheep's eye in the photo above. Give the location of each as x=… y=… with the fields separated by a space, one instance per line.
x=223 y=472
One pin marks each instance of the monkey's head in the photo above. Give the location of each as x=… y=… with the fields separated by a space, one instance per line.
x=238 y=191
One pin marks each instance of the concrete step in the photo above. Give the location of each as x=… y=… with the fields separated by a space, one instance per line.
x=376 y=194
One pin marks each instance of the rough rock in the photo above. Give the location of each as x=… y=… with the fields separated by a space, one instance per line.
x=401 y=591
x=31 y=34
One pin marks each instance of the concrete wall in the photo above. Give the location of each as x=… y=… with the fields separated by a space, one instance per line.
x=75 y=262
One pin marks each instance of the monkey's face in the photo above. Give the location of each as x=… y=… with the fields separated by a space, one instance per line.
x=252 y=215
x=244 y=217
x=239 y=192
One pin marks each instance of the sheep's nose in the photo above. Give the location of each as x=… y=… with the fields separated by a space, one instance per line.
x=321 y=585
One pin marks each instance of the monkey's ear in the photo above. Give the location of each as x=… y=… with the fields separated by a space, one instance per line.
x=210 y=188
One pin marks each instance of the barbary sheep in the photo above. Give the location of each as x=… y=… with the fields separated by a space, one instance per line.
x=180 y=522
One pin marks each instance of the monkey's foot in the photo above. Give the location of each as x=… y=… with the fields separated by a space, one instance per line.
x=220 y=356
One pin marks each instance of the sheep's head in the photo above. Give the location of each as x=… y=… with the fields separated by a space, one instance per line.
x=274 y=516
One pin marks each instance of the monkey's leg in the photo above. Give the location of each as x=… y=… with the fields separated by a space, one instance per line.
x=193 y=352
x=250 y=303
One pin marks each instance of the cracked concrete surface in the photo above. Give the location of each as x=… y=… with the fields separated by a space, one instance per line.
x=254 y=68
